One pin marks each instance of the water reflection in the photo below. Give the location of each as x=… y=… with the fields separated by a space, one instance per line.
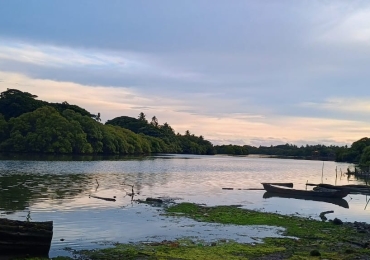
x=20 y=191
x=339 y=202
x=59 y=190
x=69 y=157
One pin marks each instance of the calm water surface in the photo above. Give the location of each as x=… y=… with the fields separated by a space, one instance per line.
x=59 y=191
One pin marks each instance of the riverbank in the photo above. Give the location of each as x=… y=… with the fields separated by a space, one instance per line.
x=303 y=238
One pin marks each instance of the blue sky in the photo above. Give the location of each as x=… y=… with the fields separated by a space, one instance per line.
x=241 y=72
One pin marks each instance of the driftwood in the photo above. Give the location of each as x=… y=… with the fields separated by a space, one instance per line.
x=23 y=237
x=322 y=214
x=102 y=198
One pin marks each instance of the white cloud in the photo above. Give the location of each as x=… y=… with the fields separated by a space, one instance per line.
x=112 y=102
x=344 y=25
x=50 y=56
x=341 y=104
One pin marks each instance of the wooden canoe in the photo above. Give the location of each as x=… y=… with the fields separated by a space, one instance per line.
x=327 y=194
x=284 y=184
x=336 y=201
x=352 y=188
x=25 y=238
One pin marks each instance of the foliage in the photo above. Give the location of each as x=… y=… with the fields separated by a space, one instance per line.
x=92 y=129
x=365 y=157
x=321 y=152
x=64 y=106
x=355 y=152
x=14 y=103
x=44 y=130
x=231 y=149
x=163 y=137
x=3 y=128
x=191 y=144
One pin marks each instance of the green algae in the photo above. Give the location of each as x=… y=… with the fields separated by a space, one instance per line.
x=332 y=241
x=182 y=249
x=295 y=226
x=303 y=236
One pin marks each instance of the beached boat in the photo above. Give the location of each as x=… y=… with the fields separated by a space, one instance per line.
x=328 y=193
x=336 y=201
x=285 y=184
x=25 y=237
x=352 y=188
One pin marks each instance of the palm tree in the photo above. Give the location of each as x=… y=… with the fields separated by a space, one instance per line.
x=142 y=116
x=154 y=121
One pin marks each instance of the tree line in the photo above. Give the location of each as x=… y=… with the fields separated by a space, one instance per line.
x=319 y=152
x=358 y=152
x=28 y=125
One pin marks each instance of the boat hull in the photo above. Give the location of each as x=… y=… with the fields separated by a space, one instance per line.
x=24 y=237
x=308 y=193
x=336 y=201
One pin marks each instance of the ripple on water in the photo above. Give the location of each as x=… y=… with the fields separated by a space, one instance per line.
x=59 y=191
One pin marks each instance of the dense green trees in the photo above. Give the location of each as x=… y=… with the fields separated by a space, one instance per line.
x=44 y=130
x=365 y=157
x=3 y=128
x=231 y=149
x=14 y=103
x=28 y=125
x=321 y=152
x=163 y=137
x=358 y=152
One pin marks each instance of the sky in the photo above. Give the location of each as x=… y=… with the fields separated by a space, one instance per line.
x=237 y=72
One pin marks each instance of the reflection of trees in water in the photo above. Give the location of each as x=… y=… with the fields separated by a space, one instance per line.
x=18 y=191
x=69 y=157
x=140 y=180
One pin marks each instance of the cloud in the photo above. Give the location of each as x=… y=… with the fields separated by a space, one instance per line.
x=226 y=128
x=50 y=57
x=352 y=27
x=251 y=71
x=349 y=107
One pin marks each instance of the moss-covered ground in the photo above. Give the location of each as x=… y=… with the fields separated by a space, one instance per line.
x=313 y=239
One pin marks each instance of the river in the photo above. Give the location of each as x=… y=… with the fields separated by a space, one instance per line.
x=59 y=190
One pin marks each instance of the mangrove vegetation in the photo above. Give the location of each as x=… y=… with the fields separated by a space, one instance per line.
x=28 y=125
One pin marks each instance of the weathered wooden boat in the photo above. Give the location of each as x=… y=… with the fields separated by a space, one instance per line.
x=328 y=193
x=352 y=188
x=25 y=238
x=284 y=184
x=336 y=201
